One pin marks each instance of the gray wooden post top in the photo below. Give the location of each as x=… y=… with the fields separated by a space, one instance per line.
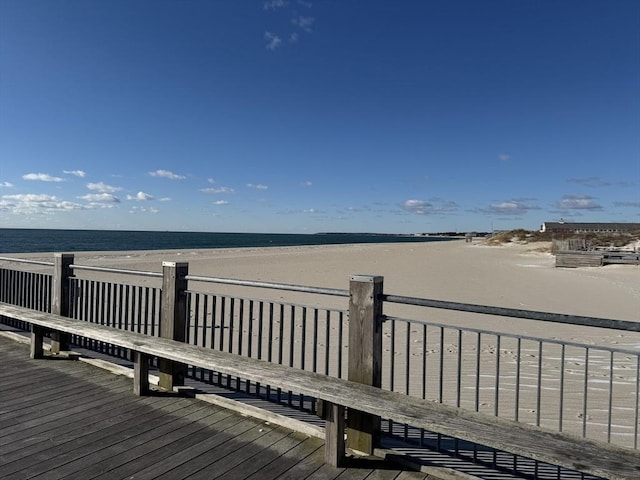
x=175 y=264
x=367 y=278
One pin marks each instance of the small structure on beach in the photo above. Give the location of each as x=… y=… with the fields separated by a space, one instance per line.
x=596 y=258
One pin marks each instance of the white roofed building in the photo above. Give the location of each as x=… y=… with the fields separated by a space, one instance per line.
x=575 y=227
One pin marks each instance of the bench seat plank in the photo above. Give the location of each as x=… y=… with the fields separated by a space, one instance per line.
x=597 y=458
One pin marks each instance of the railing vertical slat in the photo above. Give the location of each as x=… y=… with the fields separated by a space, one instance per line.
x=496 y=393
x=539 y=395
x=585 y=392
x=561 y=399
x=516 y=415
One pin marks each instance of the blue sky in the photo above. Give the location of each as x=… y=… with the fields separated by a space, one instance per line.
x=310 y=116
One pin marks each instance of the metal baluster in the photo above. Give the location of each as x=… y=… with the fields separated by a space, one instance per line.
x=516 y=416
x=585 y=392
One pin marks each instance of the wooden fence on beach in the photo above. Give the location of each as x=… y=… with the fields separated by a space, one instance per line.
x=583 y=393
x=578 y=252
x=596 y=258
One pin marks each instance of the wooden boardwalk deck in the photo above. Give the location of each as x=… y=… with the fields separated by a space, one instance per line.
x=61 y=418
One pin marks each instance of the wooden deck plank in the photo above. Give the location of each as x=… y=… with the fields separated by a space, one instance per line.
x=306 y=467
x=208 y=462
x=219 y=450
x=33 y=393
x=261 y=461
x=63 y=413
x=25 y=406
x=54 y=406
x=29 y=373
x=327 y=472
x=82 y=446
x=125 y=454
x=174 y=432
x=235 y=457
x=62 y=453
x=278 y=465
x=412 y=476
x=88 y=415
x=22 y=444
x=166 y=447
x=110 y=432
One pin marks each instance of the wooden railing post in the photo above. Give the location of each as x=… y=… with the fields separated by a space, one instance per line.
x=60 y=297
x=173 y=317
x=140 y=374
x=334 y=435
x=365 y=355
x=37 y=335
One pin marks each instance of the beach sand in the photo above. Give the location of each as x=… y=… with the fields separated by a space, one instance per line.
x=513 y=275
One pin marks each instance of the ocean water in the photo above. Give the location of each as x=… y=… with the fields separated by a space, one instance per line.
x=39 y=240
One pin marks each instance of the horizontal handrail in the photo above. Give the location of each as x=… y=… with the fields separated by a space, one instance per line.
x=516 y=313
x=278 y=286
x=514 y=336
x=117 y=270
x=22 y=260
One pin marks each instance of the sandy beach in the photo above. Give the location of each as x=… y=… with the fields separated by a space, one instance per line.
x=512 y=275
x=521 y=276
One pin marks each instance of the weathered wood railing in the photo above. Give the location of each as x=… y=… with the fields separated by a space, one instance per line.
x=365 y=352
x=579 y=454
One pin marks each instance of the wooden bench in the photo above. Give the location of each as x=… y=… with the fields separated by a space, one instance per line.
x=596 y=458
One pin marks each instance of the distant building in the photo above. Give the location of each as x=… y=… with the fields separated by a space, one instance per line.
x=570 y=227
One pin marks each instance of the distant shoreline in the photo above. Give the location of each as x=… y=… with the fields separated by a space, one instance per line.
x=55 y=240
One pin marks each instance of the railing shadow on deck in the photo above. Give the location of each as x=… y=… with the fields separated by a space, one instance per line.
x=583 y=389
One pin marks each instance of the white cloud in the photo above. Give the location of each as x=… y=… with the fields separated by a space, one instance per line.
x=294 y=37
x=77 y=173
x=257 y=186
x=102 y=187
x=143 y=210
x=422 y=207
x=29 y=203
x=509 y=207
x=6 y=185
x=417 y=207
x=577 y=202
x=506 y=206
x=100 y=198
x=303 y=22
x=275 y=4
x=165 y=199
x=217 y=190
x=220 y=202
x=140 y=197
x=505 y=157
x=312 y=211
x=273 y=41
x=211 y=180
x=42 y=177
x=167 y=174
x=306 y=183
